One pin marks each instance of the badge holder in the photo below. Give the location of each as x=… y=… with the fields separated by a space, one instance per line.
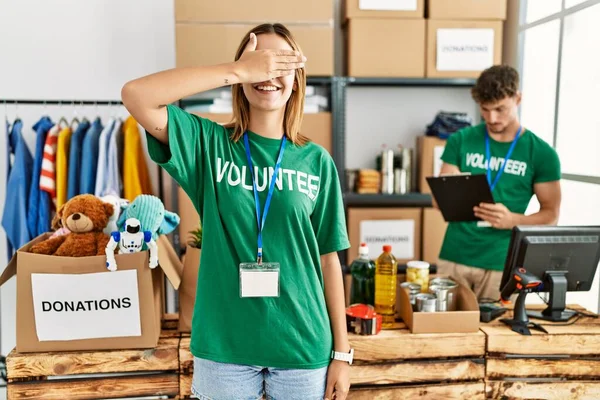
x=259 y=280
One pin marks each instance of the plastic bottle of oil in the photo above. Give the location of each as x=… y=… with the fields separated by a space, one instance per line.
x=386 y=271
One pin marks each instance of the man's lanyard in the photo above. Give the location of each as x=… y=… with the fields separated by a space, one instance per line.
x=261 y=223
x=489 y=159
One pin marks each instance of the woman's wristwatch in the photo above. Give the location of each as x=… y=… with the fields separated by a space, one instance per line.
x=348 y=357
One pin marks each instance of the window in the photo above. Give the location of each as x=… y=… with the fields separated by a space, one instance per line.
x=571 y=3
x=538 y=9
x=580 y=207
x=578 y=133
x=540 y=66
x=560 y=45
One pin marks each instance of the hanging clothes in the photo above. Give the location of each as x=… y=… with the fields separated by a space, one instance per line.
x=89 y=162
x=36 y=209
x=9 y=249
x=48 y=174
x=113 y=184
x=62 y=165
x=75 y=157
x=136 y=178
x=103 y=158
x=14 y=217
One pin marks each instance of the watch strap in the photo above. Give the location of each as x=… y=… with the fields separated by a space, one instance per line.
x=348 y=357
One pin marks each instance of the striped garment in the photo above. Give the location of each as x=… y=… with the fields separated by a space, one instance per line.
x=48 y=174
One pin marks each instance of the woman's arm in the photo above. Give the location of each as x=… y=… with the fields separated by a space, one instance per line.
x=338 y=378
x=145 y=98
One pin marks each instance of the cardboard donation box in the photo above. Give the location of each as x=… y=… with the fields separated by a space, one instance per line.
x=384 y=9
x=464 y=320
x=434 y=229
x=193 y=48
x=75 y=303
x=467 y=9
x=386 y=47
x=398 y=227
x=187 y=289
x=256 y=11
x=430 y=150
x=462 y=49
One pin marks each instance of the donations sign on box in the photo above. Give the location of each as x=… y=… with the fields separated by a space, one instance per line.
x=465 y=49
x=86 y=306
x=400 y=234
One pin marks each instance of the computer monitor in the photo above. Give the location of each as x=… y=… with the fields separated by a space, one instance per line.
x=564 y=258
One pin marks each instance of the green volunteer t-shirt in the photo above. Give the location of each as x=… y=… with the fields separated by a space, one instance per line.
x=306 y=219
x=532 y=161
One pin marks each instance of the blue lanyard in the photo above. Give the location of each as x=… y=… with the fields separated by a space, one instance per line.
x=489 y=159
x=261 y=223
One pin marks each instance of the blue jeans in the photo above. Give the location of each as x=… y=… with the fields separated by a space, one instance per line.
x=220 y=381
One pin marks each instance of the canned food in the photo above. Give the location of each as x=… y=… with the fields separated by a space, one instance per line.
x=418 y=272
x=426 y=302
x=413 y=290
x=445 y=289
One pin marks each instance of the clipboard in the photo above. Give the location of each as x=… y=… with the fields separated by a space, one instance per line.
x=456 y=195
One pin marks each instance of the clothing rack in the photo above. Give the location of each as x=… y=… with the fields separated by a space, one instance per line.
x=64 y=102
x=6 y=102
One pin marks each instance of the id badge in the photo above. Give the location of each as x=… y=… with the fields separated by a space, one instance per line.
x=259 y=280
x=483 y=224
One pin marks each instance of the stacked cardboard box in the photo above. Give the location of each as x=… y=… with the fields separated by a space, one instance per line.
x=210 y=32
x=464 y=37
x=385 y=38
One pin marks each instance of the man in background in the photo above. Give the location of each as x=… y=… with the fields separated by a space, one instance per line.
x=518 y=164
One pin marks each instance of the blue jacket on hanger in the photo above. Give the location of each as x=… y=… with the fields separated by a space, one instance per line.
x=37 y=209
x=89 y=162
x=9 y=249
x=75 y=160
x=14 y=218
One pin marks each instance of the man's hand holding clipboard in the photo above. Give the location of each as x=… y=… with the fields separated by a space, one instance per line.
x=460 y=198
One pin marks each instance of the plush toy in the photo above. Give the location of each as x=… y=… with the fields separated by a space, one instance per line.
x=117 y=203
x=151 y=213
x=85 y=216
x=130 y=241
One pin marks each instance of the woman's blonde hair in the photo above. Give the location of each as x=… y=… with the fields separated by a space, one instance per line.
x=294 y=109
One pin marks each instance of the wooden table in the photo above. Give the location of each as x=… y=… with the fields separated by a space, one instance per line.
x=396 y=364
x=88 y=375
x=563 y=364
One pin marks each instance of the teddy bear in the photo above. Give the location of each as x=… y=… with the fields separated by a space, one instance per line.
x=85 y=216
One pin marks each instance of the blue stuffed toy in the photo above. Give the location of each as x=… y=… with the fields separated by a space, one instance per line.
x=151 y=213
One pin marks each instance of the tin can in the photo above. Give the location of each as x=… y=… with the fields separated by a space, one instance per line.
x=387 y=171
x=426 y=302
x=446 y=290
x=413 y=290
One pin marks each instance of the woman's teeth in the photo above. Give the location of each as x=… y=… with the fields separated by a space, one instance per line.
x=267 y=88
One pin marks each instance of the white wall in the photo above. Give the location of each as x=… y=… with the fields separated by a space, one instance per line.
x=73 y=50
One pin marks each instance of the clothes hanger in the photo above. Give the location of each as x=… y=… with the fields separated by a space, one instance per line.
x=75 y=119
x=17 y=112
x=84 y=118
x=63 y=121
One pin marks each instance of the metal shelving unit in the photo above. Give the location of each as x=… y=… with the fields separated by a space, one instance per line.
x=376 y=81
x=338 y=109
x=387 y=200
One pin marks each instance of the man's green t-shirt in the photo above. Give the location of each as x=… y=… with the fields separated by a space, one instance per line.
x=306 y=219
x=532 y=161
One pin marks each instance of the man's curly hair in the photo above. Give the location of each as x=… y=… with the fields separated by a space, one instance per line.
x=495 y=84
